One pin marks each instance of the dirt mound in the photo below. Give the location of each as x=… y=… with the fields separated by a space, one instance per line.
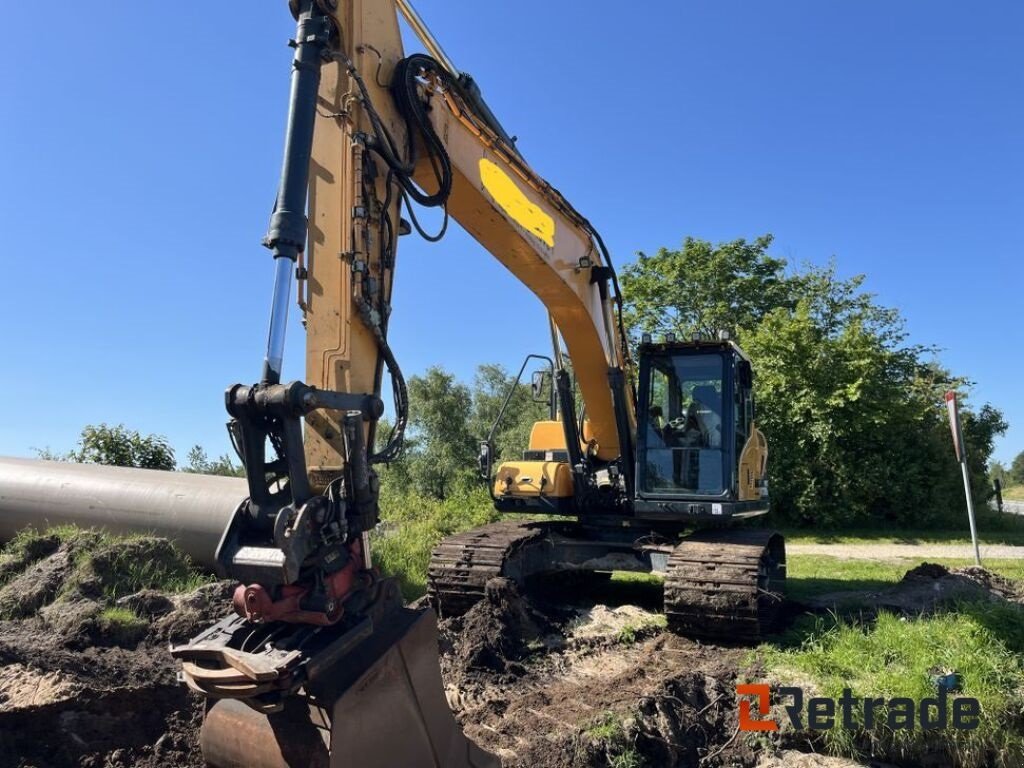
x=38 y=585
x=790 y=758
x=992 y=582
x=928 y=588
x=28 y=552
x=85 y=678
x=497 y=632
x=543 y=686
x=192 y=612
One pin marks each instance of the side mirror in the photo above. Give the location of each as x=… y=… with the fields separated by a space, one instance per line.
x=485 y=460
x=538 y=386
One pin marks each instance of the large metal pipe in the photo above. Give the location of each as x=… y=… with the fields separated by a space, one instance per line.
x=190 y=510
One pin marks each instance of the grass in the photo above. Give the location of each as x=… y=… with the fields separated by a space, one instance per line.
x=896 y=657
x=29 y=546
x=630 y=633
x=610 y=732
x=1014 y=493
x=413 y=525
x=123 y=564
x=812 y=575
x=121 y=625
x=993 y=528
x=103 y=568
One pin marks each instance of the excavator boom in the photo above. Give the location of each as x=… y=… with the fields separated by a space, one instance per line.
x=480 y=180
x=321 y=664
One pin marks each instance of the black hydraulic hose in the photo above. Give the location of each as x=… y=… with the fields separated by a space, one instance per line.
x=405 y=90
x=400 y=394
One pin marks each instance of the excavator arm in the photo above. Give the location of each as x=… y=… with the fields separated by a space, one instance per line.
x=372 y=136
x=372 y=101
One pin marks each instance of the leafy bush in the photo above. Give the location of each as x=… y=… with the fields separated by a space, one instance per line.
x=853 y=413
x=201 y=464
x=117 y=446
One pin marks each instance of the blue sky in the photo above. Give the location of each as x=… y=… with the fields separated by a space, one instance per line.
x=141 y=146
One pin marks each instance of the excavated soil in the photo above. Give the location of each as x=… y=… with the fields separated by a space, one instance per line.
x=545 y=686
x=567 y=683
x=77 y=689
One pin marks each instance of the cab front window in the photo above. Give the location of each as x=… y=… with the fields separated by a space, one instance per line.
x=684 y=423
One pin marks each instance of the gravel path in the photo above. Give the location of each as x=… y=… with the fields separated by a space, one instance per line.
x=1013 y=507
x=906 y=551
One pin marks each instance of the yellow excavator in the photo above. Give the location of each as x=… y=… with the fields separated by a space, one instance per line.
x=649 y=456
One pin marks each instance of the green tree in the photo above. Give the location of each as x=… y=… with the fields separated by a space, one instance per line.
x=490 y=387
x=440 y=449
x=199 y=463
x=853 y=413
x=705 y=288
x=447 y=421
x=120 y=447
x=980 y=430
x=1017 y=469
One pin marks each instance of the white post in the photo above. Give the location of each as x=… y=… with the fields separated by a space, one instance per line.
x=970 y=512
x=961 y=455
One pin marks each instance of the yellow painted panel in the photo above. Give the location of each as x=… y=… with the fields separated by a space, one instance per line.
x=753 y=463
x=533 y=478
x=507 y=194
x=551 y=272
x=547 y=436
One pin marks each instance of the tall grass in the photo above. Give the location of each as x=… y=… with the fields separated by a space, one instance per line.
x=412 y=524
x=898 y=657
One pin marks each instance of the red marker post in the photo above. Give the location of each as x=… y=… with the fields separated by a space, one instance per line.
x=961 y=455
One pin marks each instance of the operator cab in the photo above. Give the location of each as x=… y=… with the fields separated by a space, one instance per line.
x=698 y=451
x=698 y=457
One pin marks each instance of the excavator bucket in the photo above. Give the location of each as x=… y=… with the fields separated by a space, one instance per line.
x=381 y=705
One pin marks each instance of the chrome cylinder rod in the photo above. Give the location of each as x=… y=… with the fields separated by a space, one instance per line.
x=284 y=268
x=286 y=237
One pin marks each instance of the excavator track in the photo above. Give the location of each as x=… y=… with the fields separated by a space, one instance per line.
x=461 y=565
x=726 y=584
